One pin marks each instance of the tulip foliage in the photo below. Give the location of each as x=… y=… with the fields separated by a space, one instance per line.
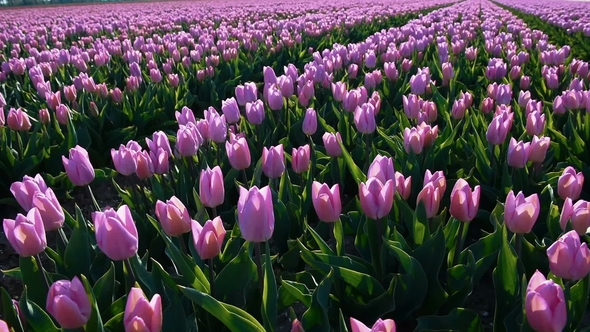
x=404 y=159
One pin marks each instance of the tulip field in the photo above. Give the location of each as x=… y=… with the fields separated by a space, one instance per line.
x=295 y=166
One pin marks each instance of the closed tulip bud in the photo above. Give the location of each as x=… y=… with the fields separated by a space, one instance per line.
x=353 y=70
x=391 y=71
x=155 y=75
x=124 y=160
x=211 y=187
x=351 y=101
x=26 y=234
x=296 y=326
x=458 y=109
x=339 y=91
x=49 y=208
x=62 y=113
x=117 y=95
x=499 y=128
x=44 y=116
x=570 y=184
x=364 y=118
x=525 y=82
x=70 y=92
x=273 y=161
x=255 y=214
x=78 y=166
x=464 y=202
x=300 y=159
x=188 y=140
x=523 y=98
x=217 y=126
x=447 y=72
x=68 y=303
x=578 y=213
x=545 y=304
x=238 y=153
x=538 y=149
x=208 y=239
x=380 y=325
x=18 y=120
x=558 y=106
x=430 y=196
x=569 y=258
x=230 y=109
x=326 y=201
x=518 y=153
x=521 y=213
x=420 y=81
x=331 y=143
x=535 y=123
x=116 y=234
x=255 y=112
x=403 y=186
x=4 y=326
x=274 y=98
x=412 y=140
x=310 y=122
x=160 y=161
x=411 y=106
x=487 y=105
x=145 y=167
x=141 y=315
x=376 y=197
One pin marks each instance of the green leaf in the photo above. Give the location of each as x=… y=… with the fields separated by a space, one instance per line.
x=234 y=290
x=457 y=320
x=324 y=248
x=421 y=231
x=506 y=282
x=95 y=321
x=116 y=323
x=9 y=313
x=77 y=257
x=315 y=318
x=297 y=291
x=34 y=280
x=431 y=256
x=234 y=318
x=37 y=318
x=577 y=302
x=105 y=288
x=269 y=294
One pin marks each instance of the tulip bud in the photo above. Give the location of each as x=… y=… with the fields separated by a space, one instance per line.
x=208 y=239
x=380 y=325
x=78 y=167
x=116 y=234
x=26 y=234
x=255 y=112
x=518 y=153
x=230 y=109
x=430 y=196
x=570 y=184
x=68 y=303
x=464 y=202
x=124 y=160
x=274 y=97
x=141 y=315
x=211 y=187
x=310 y=122
x=535 y=123
x=255 y=214
x=545 y=304
x=413 y=140
x=300 y=159
x=326 y=201
x=331 y=143
x=173 y=216
x=238 y=153
x=18 y=120
x=296 y=326
x=569 y=258
x=538 y=149
x=521 y=213
x=364 y=118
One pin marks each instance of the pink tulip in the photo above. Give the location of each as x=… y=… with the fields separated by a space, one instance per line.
x=116 y=234
x=339 y=91
x=217 y=125
x=274 y=97
x=49 y=208
x=145 y=167
x=230 y=109
x=273 y=161
x=238 y=153
x=569 y=258
x=255 y=112
x=208 y=239
x=255 y=214
x=68 y=303
x=300 y=159
x=420 y=81
x=18 y=120
x=44 y=116
x=430 y=196
x=464 y=202
x=4 y=326
x=487 y=105
x=578 y=213
x=331 y=143
x=545 y=304
x=558 y=106
x=24 y=192
x=173 y=216
x=26 y=234
x=538 y=149
x=413 y=140
x=326 y=201
x=78 y=166
x=310 y=122
x=382 y=168
x=570 y=184
x=185 y=116
x=521 y=213
x=125 y=160
x=376 y=197
x=535 y=123
x=403 y=186
x=411 y=106
x=499 y=128
x=364 y=118
x=211 y=187
x=62 y=114
x=437 y=178
x=518 y=153
x=296 y=326
x=387 y=325
x=141 y=315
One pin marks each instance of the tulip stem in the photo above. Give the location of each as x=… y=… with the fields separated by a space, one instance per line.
x=212 y=277
x=459 y=244
x=130 y=271
x=96 y=206
x=245 y=178
x=38 y=258
x=518 y=244
x=368 y=147
x=258 y=255
x=182 y=244
x=218 y=154
x=213 y=212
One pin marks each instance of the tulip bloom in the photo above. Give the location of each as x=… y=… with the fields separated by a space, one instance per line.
x=18 y=120
x=538 y=149
x=382 y=168
x=141 y=315
x=403 y=186
x=68 y=303
x=310 y=122
x=300 y=159
x=208 y=239
x=464 y=202
x=78 y=166
x=364 y=118
x=545 y=305
x=255 y=214
x=521 y=213
x=173 y=216
x=230 y=109
x=437 y=178
x=211 y=187
x=413 y=140
x=430 y=196
x=569 y=258
x=376 y=197
x=273 y=161
x=124 y=160
x=116 y=234
x=570 y=184
x=518 y=153
x=238 y=153
x=326 y=201
x=579 y=214
x=380 y=325
x=24 y=192
x=49 y=208
x=499 y=128
x=535 y=123
x=331 y=141
x=255 y=112
x=26 y=234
